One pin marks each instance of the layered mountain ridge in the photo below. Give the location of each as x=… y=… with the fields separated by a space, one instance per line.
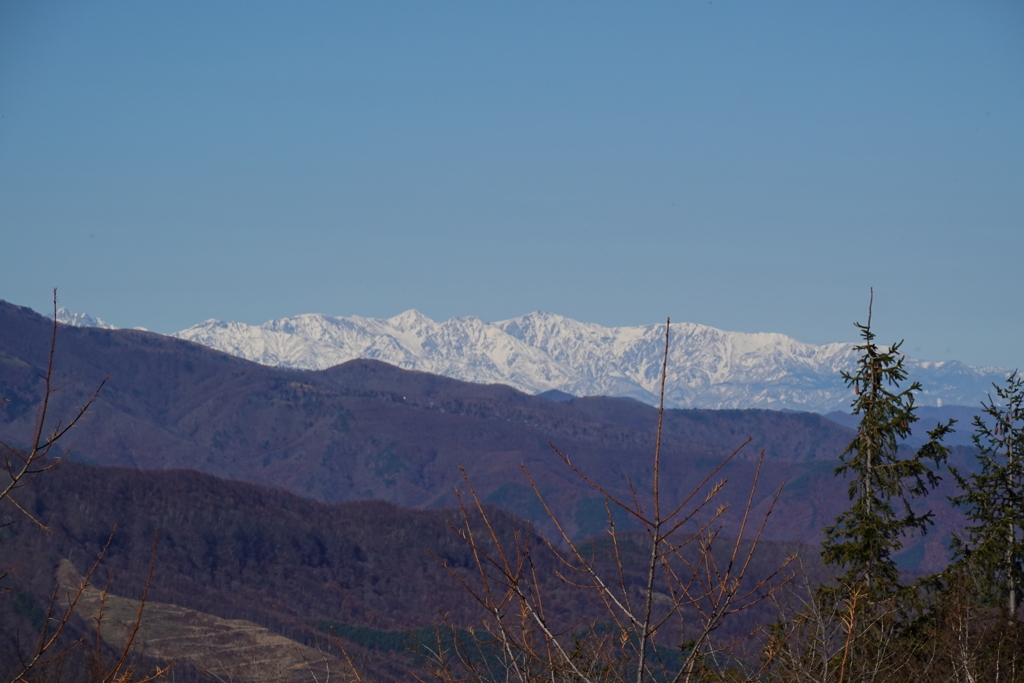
x=541 y=352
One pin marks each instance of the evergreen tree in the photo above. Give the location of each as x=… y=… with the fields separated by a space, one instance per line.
x=993 y=498
x=864 y=539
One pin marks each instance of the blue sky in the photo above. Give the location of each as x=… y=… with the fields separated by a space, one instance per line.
x=753 y=166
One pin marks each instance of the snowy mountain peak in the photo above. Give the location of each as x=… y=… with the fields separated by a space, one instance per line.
x=411 y=319
x=81 y=319
x=540 y=352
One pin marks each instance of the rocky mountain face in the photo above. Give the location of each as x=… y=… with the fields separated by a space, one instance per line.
x=541 y=352
x=82 y=319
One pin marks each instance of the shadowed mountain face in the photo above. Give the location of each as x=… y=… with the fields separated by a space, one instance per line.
x=367 y=430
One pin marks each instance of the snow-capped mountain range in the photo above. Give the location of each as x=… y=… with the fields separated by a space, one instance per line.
x=81 y=319
x=539 y=352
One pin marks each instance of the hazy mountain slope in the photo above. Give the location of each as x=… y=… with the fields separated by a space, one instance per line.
x=539 y=352
x=928 y=416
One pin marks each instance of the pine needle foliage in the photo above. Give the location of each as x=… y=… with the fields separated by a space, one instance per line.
x=864 y=539
x=992 y=543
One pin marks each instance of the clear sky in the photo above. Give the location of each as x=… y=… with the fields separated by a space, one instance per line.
x=753 y=166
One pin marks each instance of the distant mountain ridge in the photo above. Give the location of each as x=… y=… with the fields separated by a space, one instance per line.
x=542 y=352
x=81 y=319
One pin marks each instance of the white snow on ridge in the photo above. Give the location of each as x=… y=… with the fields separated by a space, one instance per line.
x=81 y=319
x=708 y=368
